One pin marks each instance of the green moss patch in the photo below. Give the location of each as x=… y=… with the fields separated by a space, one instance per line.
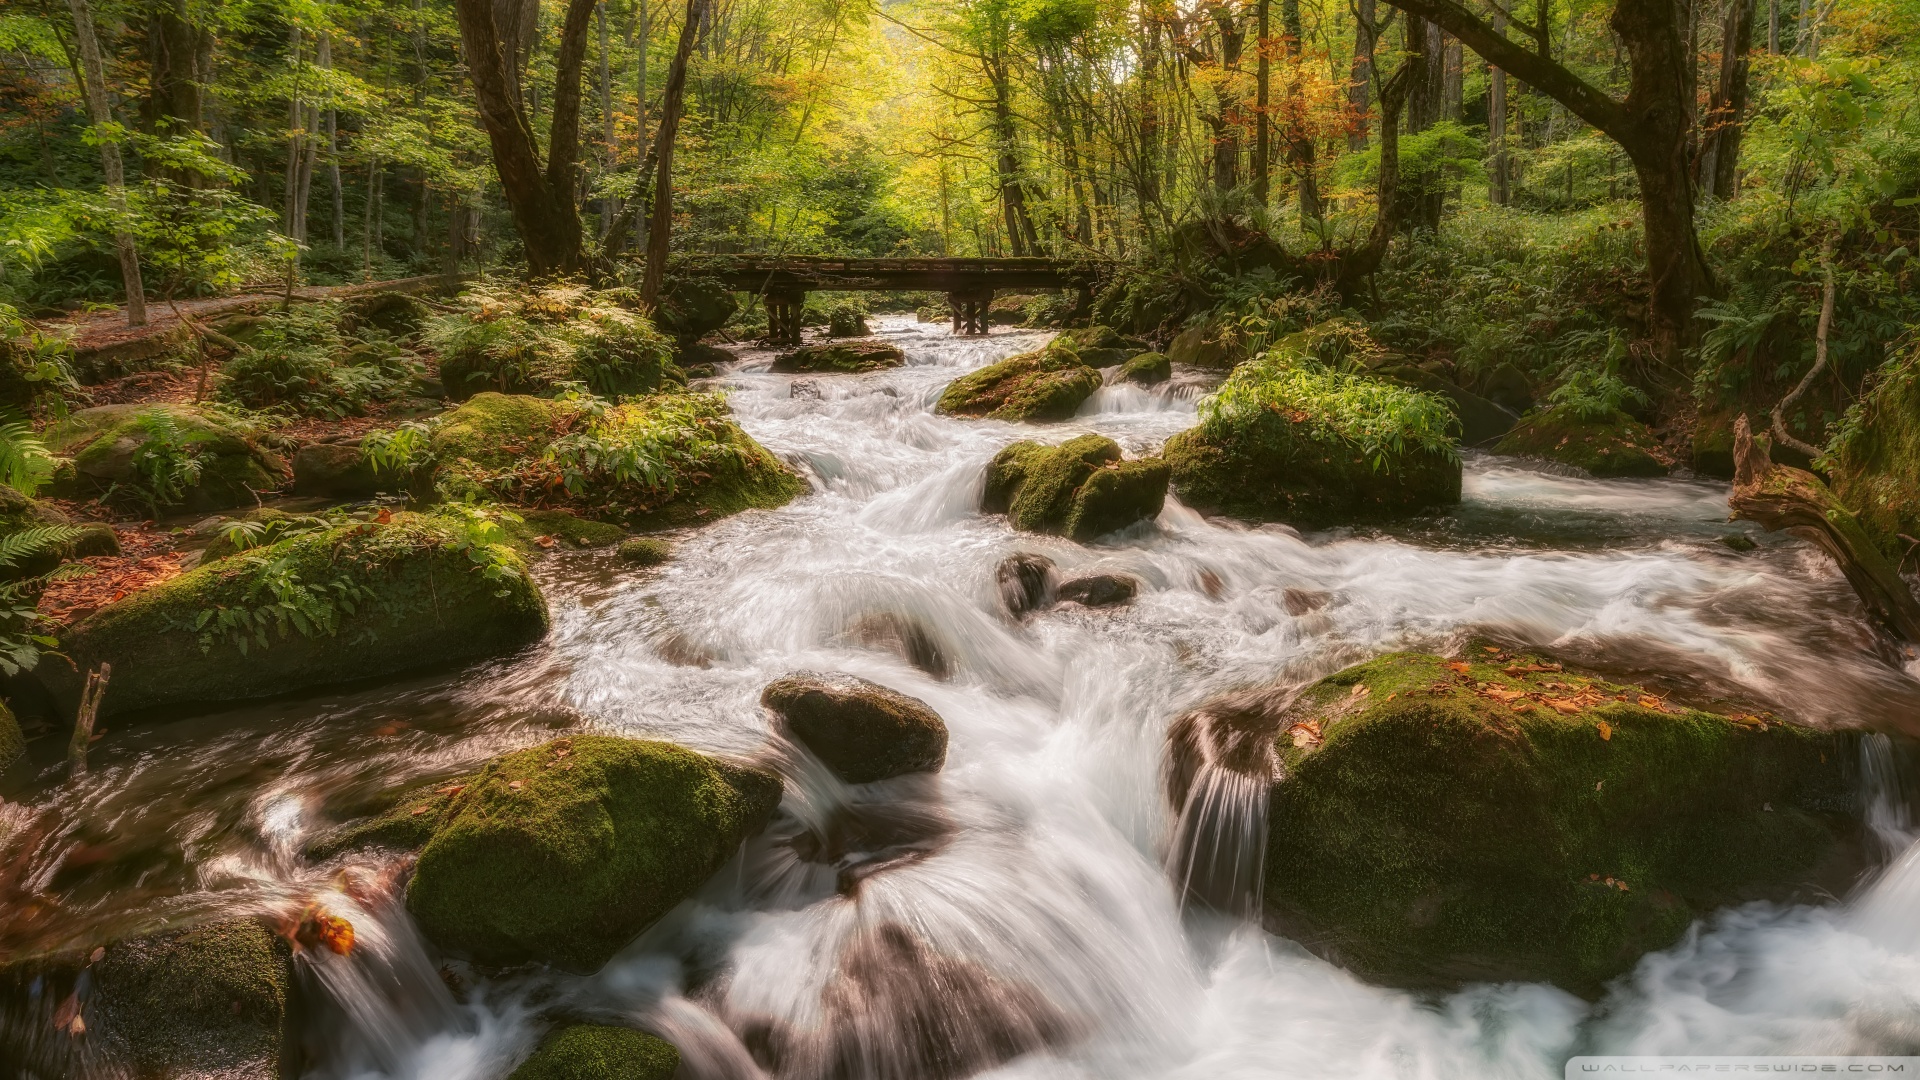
x=645 y=551
x=1618 y=445
x=517 y=340
x=1495 y=818
x=209 y=1000
x=1048 y=384
x=1876 y=456
x=564 y=852
x=845 y=357
x=354 y=601
x=595 y=1052
x=1313 y=448
x=1147 y=369
x=162 y=457
x=562 y=527
x=1080 y=489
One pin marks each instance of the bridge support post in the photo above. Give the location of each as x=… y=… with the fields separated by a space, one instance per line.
x=970 y=310
x=783 y=316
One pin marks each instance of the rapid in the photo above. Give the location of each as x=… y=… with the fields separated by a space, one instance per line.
x=1028 y=897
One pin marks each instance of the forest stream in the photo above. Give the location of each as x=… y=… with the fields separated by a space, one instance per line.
x=1018 y=912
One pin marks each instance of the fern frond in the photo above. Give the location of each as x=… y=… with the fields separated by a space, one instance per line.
x=35 y=540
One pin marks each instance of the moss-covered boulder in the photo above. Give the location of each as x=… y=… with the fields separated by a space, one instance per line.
x=1876 y=464
x=862 y=730
x=1315 y=448
x=1102 y=337
x=204 y=1001
x=597 y=1052
x=355 y=601
x=1712 y=445
x=564 y=852
x=1080 y=489
x=1146 y=369
x=162 y=457
x=1616 y=445
x=1207 y=346
x=338 y=468
x=19 y=514
x=658 y=461
x=1496 y=817
x=515 y=340
x=644 y=551
x=1047 y=384
x=845 y=357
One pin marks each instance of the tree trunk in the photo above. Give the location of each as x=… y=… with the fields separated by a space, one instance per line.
x=1364 y=260
x=661 y=225
x=641 y=38
x=1263 y=78
x=609 y=206
x=1301 y=152
x=1498 y=192
x=1360 y=77
x=1022 y=237
x=541 y=200
x=333 y=153
x=1726 y=111
x=175 y=78
x=1651 y=125
x=100 y=113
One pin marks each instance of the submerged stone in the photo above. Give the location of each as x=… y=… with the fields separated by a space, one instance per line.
x=1025 y=582
x=351 y=602
x=139 y=452
x=599 y=1052
x=1496 y=818
x=863 y=731
x=1047 y=384
x=1081 y=489
x=565 y=852
x=1098 y=590
x=846 y=357
x=1618 y=445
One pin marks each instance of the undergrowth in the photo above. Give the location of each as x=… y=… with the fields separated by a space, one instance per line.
x=1380 y=420
x=303 y=361
x=514 y=340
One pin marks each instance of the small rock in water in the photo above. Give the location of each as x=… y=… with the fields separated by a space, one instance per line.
x=597 y=1052
x=863 y=731
x=1099 y=590
x=1305 y=601
x=644 y=551
x=1025 y=581
x=904 y=637
x=1738 y=542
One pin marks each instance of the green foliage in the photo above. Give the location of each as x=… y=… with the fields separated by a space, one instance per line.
x=1597 y=392
x=1432 y=162
x=647 y=445
x=246 y=534
x=36 y=364
x=1379 y=419
x=25 y=463
x=168 y=462
x=519 y=340
x=24 y=636
x=400 y=451
x=300 y=359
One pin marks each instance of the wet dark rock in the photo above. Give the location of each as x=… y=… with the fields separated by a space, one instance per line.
x=1498 y=818
x=1081 y=489
x=699 y=359
x=645 y=551
x=900 y=1008
x=862 y=840
x=1098 y=590
x=563 y=853
x=396 y=314
x=904 y=637
x=1482 y=422
x=13 y=742
x=843 y=357
x=1304 y=601
x=1203 y=347
x=204 y=1001
x=694 y=307
x=599 y=1052
x=1738 y=542
x=543 y=530
x=1146 y=369
x=1048 y=384
x=1508 y=387
x=1025 y=582
x=863 y=731
x=847 y=322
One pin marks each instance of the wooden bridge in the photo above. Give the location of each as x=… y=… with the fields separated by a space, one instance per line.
x=785 y=280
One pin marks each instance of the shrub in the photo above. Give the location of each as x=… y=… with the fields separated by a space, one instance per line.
x=1378 y=419
x=300 y=359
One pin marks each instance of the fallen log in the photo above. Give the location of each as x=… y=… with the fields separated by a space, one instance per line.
x=1781 y=497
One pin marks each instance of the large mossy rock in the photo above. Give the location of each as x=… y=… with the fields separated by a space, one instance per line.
x=1293 y=446
x=205 y=1001
x=1617 y=445
x=113 y=446
x=1440 y=821
x=598 y=1052
x=1206 y=346
x=1081 y=489
x=840 y=357
x=1876 y=466
x=1146 y=369
x=862 y=730
x=693 y=307
x=339 y=469
x=1047 y=384
x=564 y=852
x=705 y=467
x=356 y=601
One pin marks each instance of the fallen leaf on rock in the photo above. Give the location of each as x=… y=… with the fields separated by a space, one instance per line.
x=1563 y=705
x=514 y=785
x=1606 y=731
x=322 y=929
x=544 y=541
x=1499 y=693
x=1491 y=648
x=418 y=810
x=1460 y=666
x=450 y=789
x=1306 y=734
x=1648 y=701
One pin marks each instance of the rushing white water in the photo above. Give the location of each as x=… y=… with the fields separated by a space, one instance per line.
x=1021 y=900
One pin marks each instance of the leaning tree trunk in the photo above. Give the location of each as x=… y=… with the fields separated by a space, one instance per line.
x=1360 y=75
x=1780 y=497
x=661 y=225
x=99 y=112
x=1726 y=111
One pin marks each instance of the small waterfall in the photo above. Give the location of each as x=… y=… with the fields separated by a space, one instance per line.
x=1884 y=794
x=1221 y=767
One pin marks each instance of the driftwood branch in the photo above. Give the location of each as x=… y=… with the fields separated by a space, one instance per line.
x=83 y=722
x=1780 y=431
x=1780 y=497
